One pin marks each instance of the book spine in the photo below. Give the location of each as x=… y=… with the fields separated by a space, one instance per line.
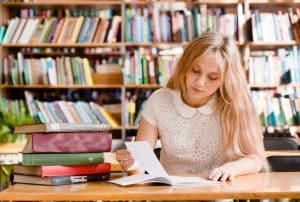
x=79 y=179
x=63 y=159
x=71 y=142
x=48 y=171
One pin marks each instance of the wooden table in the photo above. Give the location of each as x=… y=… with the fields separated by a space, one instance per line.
x=254 y=186
x=282 y=153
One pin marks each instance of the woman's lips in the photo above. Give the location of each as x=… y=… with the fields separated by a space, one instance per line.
x=198 y=90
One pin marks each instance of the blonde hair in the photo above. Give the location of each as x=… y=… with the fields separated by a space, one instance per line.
x=241 y=130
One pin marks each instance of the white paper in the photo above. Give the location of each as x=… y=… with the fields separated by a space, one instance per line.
x=143 y=153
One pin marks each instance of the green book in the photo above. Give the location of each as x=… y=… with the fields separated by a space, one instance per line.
x=62 y=159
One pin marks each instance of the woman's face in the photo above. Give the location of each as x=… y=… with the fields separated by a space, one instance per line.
x=202 y=80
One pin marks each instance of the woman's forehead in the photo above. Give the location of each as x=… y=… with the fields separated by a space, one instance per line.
x=211 y=60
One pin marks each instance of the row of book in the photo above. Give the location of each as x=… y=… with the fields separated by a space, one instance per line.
x=134 y=106
x=144 y=68
x=274 y=26
x=275 y=67
x=47 y=71
x=57 y=154
x=276 y=110
x=180 y=25
x=67 y=12
x=61 y=111
x=62 y=30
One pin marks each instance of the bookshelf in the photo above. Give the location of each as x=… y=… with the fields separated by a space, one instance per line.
x=128 y=44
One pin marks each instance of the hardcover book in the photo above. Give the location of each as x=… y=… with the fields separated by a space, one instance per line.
x=76 y=142
x=47 y=171
x=60 y=180
x=61 y=127
x=62 y=159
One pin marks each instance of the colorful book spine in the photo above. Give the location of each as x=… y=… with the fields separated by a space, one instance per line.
x=62 y=159
x=75 y=142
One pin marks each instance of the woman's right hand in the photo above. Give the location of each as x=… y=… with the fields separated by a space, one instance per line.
x=125 y=158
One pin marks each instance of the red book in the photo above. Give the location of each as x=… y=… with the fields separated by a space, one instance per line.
x=47 y=171
x=76 y=142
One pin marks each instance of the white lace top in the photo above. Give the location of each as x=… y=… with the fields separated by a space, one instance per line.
x=190 y=137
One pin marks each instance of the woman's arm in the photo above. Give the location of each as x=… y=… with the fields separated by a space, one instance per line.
x=147 y=132
x=246 y=165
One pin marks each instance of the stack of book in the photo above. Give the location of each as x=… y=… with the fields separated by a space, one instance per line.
x=64 y=153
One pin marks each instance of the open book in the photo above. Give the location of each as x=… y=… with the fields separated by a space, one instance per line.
x=143 y=153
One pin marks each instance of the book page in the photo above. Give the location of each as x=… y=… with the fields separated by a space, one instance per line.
x=143 y=153
x=132 y=179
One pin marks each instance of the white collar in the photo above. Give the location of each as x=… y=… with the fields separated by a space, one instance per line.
x=187 y=111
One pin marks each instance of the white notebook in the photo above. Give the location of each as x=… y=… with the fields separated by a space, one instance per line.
x=143 y=153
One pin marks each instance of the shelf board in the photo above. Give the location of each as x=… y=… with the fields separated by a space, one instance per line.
x=153 y=44
x=217 y=3
x=95 y=86
x=63 y=3
x=264 y=86
x=291 y=129
x=111 y=53
x=57 y=45
x=137 y=2
x=285 y=2
x=146 y=86
x=273 y=44
x=131 y=127
x=117 y=128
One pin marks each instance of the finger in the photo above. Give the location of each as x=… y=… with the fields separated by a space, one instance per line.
x=224 y=177
x=217 y=176
x=213 y=173
x=128 y=162
x=122 y=152
x=123 y=157
x=231 y=177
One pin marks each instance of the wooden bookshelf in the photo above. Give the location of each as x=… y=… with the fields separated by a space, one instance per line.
x=274 y=44
x=122 y=47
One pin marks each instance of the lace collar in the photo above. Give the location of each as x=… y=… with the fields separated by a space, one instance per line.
x=187 y=111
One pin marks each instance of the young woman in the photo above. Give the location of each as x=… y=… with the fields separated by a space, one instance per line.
x=204 y=117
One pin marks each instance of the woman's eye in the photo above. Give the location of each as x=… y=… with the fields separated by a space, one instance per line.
x=213 y=78
x=196 y=70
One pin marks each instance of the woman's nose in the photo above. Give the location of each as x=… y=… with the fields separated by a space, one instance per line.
x=200 y=81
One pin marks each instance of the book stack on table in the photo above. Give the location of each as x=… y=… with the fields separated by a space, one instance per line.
x=64 y=153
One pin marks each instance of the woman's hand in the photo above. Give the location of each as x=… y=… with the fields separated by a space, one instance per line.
x=124 y=158
x=225 y=172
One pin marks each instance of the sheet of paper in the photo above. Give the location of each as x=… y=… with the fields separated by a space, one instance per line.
x=191 y=180
x=143 y=153
x=132 y=179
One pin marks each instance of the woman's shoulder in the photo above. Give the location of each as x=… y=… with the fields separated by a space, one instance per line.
x=160 y=95
x=162 y=92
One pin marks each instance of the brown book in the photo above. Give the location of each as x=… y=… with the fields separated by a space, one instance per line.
x=76 y=142
x=60 y=180
x=61 y=127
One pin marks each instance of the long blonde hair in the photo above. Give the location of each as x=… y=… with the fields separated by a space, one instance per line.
x=241 y=130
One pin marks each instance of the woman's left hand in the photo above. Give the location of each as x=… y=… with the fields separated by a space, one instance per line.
x=225 y=172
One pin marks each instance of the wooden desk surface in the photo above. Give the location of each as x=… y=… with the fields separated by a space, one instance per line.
x=282 y=153
x=255 y=186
